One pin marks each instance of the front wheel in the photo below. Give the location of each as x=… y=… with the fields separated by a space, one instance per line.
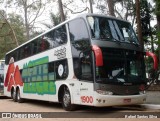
x=66 y=100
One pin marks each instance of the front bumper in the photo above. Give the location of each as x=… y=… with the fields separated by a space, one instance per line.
x=115 y=100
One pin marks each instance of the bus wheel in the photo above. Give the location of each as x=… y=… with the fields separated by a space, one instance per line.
x=66 y=100
x=13 y=95
x=18 y=97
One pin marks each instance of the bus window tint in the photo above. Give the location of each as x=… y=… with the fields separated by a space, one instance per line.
x=60 y=36
x=80 y=43
x=52 y=39
x=78 y=30
x=21 y=53
x=51 y=67
x=49 y=37
x=44 y=45
x=34 y=45
x=27 y=50
x=56 y=37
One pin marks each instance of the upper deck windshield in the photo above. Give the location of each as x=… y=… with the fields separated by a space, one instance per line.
x=108 y=29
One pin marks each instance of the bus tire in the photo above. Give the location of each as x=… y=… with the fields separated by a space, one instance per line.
x=18 y=96
x=66 y=100
x=13 y=95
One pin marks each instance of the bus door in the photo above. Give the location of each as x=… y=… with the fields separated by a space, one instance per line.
x=86 y=78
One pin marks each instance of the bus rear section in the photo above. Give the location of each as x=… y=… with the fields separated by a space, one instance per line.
x=1 y=76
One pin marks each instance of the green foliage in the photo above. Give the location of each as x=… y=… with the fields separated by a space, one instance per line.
x=7 y=39
x=158 y=20
x=157 y=12
x=55 y=20
x=145 y=19
x=158 y=35
x=31 y=10
x=18 y=26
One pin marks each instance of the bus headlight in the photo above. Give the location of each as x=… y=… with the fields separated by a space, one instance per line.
x=103 y=92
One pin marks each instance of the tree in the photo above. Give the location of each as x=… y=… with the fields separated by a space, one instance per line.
x=157 y=11
x=61 y=10
x=73 y=10
x=91 y=7
x=16 y=22
x=127 y=9
x=111 y=7
x=7 y=39
x=139 y=28
x=31 y=10
x=145 y=16
x=55 y=20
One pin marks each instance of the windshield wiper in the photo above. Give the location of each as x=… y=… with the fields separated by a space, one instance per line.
x=116 y=40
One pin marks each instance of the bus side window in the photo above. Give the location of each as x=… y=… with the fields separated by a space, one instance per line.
x=49 y=38
x=44 y=45
x=21 y=52
x=27 y=51
x=34 y=46
x=38 y=45
x=51 y=67
x=60 y=36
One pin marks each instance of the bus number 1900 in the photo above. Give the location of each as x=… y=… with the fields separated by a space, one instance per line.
x=87 y=99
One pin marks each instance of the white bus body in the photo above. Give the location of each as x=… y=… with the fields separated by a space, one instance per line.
x=69 y=73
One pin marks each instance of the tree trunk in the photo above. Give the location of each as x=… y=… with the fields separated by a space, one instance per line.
x=152 y=41
x=158 y=29
x=26 y=20
x=26 y=24
x=139 y=27
x=61 y=10
x=111 y=7
x=158 y=22
x=91 y=7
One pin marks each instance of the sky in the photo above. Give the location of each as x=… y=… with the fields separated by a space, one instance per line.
x=77 y=5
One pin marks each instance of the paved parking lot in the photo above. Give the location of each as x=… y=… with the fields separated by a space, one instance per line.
x=153 y=97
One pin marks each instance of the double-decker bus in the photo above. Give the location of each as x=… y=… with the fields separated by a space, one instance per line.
x=92 y=60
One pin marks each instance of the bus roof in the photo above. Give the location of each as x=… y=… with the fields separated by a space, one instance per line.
x=78 y=16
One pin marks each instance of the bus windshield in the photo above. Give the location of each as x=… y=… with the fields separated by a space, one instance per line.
x=111 y=30
x=121 y=66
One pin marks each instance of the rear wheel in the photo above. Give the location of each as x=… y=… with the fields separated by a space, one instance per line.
x=13 y=95
x=66 y=100
x=18 y=96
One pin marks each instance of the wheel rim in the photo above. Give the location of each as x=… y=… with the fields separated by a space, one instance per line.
x=66 y=99
x=18 y=95
x=14 y=95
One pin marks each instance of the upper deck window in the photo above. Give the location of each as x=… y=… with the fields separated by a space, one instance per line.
x=111 y=30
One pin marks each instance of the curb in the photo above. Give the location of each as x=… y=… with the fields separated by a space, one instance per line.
x=151 y=106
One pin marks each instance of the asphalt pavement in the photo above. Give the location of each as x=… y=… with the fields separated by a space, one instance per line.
x=153 y=97
x=153 y=100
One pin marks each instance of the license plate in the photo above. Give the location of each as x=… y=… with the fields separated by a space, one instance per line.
x=127 y=100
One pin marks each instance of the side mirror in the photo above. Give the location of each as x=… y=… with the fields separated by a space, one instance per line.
x=98 y=55
x=155 y=65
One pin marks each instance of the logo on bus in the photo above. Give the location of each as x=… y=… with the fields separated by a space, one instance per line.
x=60 y=53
